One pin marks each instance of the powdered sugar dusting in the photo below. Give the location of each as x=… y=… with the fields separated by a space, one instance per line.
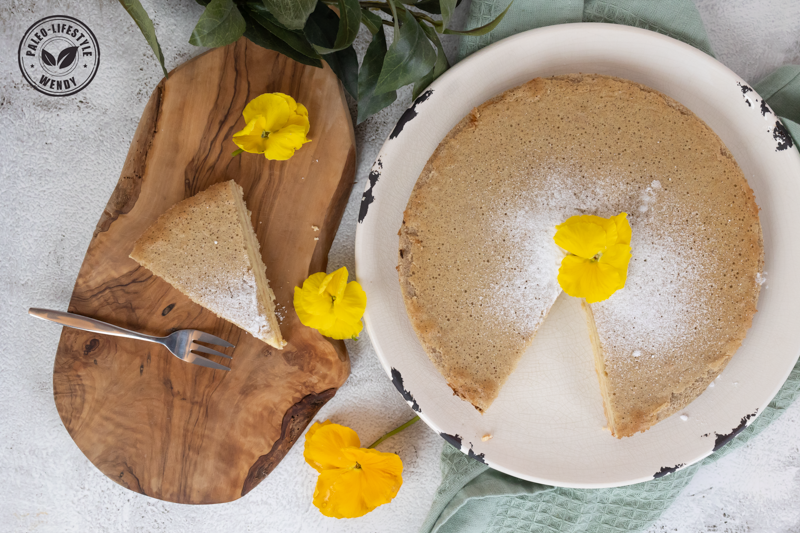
x=526 y=286
x=665 y=301
x=236 y=300
x=526 y=210
x=658 y=307
x=648 y=196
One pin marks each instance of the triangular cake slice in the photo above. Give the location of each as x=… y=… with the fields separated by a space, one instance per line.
x=206 y=248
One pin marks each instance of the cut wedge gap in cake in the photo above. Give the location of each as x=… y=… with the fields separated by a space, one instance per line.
x=206 y=248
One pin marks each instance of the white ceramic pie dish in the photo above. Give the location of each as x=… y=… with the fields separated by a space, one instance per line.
x=547 y=423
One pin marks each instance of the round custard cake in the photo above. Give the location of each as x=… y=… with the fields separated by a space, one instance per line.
x=478 y=265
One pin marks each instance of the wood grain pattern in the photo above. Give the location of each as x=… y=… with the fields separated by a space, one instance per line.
x=155 y=424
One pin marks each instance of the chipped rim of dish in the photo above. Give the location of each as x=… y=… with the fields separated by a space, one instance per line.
x=750 y=130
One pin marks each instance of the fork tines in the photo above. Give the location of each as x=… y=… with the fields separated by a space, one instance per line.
x=203 y=349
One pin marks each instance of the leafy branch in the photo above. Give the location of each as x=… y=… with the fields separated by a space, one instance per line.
x=310 y=31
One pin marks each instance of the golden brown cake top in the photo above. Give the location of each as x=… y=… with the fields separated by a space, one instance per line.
x=478 y=264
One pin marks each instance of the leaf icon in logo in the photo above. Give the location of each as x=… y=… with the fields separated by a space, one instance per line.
x=48 y=58
x=67 y=57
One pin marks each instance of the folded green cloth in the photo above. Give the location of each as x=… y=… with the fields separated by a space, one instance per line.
x=475 y=498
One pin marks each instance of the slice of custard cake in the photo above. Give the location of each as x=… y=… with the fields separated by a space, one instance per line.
x=205 y=247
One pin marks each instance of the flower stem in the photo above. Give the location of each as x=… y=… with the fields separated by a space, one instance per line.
x=394 y=432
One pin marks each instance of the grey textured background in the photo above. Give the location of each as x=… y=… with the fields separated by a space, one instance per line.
x=59 y=161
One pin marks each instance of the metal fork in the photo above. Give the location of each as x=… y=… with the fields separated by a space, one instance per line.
x=182 y=343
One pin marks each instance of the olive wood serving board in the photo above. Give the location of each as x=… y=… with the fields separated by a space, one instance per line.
x=150 y=422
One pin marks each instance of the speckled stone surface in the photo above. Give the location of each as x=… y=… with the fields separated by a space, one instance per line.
x=61 y=158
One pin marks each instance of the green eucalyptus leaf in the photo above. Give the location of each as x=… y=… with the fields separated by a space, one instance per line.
x=349 y=24
x=442 y=63
x=370 y=103
x=410 y=57
x=293 y=14
x=372 y=21
x=220 y=24
x=321 y=29
x=261 y=36
x=294 y=38
x=482 y=30
x=141 y=18
x=438 y=69
x=447 y=7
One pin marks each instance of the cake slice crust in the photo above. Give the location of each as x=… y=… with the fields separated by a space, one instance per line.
x=205 y=247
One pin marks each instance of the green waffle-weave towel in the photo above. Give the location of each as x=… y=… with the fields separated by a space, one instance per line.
x=474 y=498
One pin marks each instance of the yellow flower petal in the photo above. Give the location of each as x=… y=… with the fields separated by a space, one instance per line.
x=338 y=493
x=250 y=138
x=325 y=445
x=293 y=105
x=353 y=492
x=297 y=125
x=331 y=305
x=618 y=257
x=301 y=110
x=318 y=306
x=278 y=152
x=350 y=307
x=588 y=279
x=316 y=426
x=300 y=120
x=314 y=308
x=289 y=138
x=598 y=255
x=282 y=144
x=342 y=329
x=313 y=283
x=585 y=235
x=276 y=126
x=274 y=108
x=624 y=230
x=335 y=283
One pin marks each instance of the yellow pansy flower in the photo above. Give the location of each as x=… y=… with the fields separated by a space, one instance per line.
x=330 y=305
x=352 y=480
x=598 y=253
x=276 y=126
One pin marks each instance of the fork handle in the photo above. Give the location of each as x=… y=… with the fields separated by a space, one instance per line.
x=85 y=323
